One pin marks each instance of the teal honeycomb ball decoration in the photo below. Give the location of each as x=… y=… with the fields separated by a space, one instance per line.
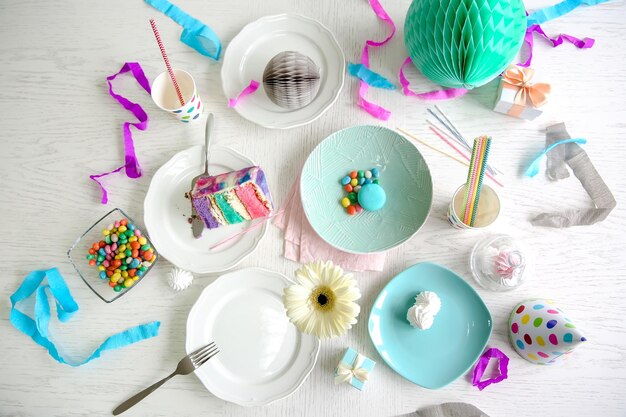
x=464 y=43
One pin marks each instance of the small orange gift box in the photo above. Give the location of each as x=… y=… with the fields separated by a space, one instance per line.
x=518 y=96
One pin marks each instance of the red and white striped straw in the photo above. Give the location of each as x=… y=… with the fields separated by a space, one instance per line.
x=167 y=61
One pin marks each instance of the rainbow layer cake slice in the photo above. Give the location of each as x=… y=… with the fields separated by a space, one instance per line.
x=232 y=197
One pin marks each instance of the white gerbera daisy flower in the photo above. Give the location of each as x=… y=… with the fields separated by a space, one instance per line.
x=321 y=302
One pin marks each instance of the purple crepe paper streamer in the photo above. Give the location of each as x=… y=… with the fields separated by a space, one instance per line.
x=445 y=94
x=481 y=366
x=584 y=43
x=549 y=13
x=133 y=170
x=251 y=88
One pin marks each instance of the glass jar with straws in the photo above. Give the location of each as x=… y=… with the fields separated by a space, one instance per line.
x=475 y=204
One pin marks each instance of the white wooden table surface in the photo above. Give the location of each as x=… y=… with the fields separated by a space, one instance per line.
x=59 y=125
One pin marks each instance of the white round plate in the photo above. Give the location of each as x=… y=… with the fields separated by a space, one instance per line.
x=166 y=213
x=262 y=356
x=257 y=43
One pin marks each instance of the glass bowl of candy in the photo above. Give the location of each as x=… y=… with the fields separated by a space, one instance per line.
x=113 y=255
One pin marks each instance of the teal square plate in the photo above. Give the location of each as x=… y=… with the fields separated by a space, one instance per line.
x=404 y=176
x=435 y=357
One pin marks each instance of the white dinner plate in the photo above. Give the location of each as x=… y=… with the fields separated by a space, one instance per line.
x=257 y=43
x=167 y=210
x=263 y=357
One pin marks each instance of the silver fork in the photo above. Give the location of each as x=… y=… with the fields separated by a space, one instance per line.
x=187 y=365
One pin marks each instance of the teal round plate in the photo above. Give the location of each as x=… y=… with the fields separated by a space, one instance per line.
x=404 y=176
x=435 y=357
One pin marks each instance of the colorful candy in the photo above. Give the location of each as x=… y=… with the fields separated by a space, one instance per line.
x=125 y=263
x=353 y=183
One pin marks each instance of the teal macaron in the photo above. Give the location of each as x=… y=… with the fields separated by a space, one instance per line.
x=372 y=197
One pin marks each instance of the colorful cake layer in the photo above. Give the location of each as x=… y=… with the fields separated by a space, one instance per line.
x=232 y=197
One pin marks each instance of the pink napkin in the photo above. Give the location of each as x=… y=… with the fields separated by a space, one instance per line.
x=303 y=245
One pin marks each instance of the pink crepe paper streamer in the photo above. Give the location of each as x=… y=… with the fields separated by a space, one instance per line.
x=461 y=153
x=446 y=94
x=251 y=88
x=374 y=109
x=133 y=170
x=584 y=43
x=247 y=229
x=481 y=366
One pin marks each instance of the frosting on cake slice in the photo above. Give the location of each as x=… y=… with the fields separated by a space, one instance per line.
x=232 y=197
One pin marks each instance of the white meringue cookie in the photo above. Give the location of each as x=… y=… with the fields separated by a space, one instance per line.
x=179 y=279
x=422 y=314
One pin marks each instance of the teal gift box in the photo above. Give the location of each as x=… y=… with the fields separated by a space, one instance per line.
x=354 y=368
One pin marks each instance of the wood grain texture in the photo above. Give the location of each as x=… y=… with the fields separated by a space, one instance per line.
x=59 y=125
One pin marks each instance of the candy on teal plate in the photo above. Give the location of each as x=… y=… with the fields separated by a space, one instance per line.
x=403 y=174
x=435 y=357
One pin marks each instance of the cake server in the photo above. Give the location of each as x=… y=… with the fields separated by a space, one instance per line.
x=197 y=225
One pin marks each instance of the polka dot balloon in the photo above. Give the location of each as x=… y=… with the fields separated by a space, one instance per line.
x=541 y=333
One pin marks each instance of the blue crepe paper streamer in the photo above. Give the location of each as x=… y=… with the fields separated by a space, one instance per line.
x=37 y=328
x=195 y=34
x=558 y=10
x=369 y=77
x=533 y=168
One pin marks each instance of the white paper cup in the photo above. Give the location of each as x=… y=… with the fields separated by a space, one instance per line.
x=164 y=96
x=487 y=211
